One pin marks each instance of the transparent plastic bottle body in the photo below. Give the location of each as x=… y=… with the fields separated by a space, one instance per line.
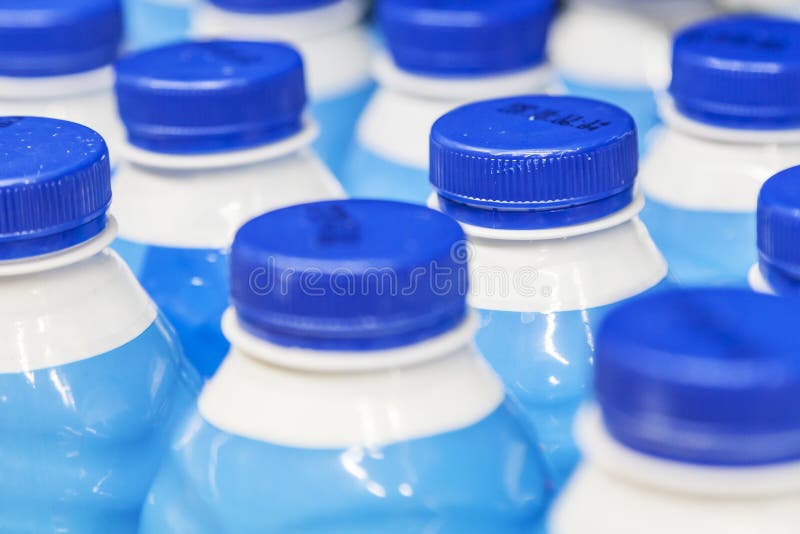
x=191 y=288
x=703 y=247
x=542 y=296
x=93 y=387
x=368 y=175
x=155 y=22
x=416 y=438
x=337 y=115
x=546 y=362
x=484 y=478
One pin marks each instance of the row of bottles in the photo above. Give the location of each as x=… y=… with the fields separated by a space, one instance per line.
x=353 y=381
x=230 y=346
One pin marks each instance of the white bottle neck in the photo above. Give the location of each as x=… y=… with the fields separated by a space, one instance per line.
x=609 y=221
x=669 y=13
x=346 y=361
x=221 y=160
x=757 y=281
x=328 y=400
x=601 y=449
x=612 y=48
x=569 y=268
x=68 y=306
x=310 y=23
x=775 y=7
x=62 y=258
x=538 y=78
x=694 y=128
x=48 y=87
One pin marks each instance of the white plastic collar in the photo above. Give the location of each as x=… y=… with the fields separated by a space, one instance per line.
x=32 y=88
x=232 y=158
x=210 y=21
x=346 y=361
x=61 y=258
x=388 y=74
x=675 y=119
x=609 y=221
x=757 y=281
x=600 y=448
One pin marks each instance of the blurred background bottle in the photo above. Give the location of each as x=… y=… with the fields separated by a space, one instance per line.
x=56 y=61
x=697 y=426
x=151 y=23
x=335 y=46
x=618 y=51
x=778 y=228
x=440 y=55
x=216 y=134
x=732 y=117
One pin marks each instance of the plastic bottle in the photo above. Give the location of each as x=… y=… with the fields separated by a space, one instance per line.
x=545 y=189
x=440 y=55
x=778 y=224
x=216 y=135
x=92 y=379
x=56 y=61
x=732 y=121
x=335 y=49
x=151 y=23
x=696 y=427
x=353 y=399
x=617 y=50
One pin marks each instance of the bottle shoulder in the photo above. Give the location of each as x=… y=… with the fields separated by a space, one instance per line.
x=595 y=501
x=70 y=313
x=564 y=273
x=322 y=36
x=96 y=109
x=701 y=173
x=608 y=47
x=203 y=208
x=619 y=490
x=411 y=103
x=300 y=398
x=411 y=118
x=491 y=469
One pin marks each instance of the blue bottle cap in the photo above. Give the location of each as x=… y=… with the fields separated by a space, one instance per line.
x=457 y=38
x=778 y=220
x=58 y=37
x=271 y=6
x=530 y=162
x=739 y=72
x=705 y=376
x=354 y=275
x=211 y=96
x=55 y=185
